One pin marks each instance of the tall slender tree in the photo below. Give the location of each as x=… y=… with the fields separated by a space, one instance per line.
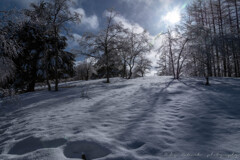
x=103 y=45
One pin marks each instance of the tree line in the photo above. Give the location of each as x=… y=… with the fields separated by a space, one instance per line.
x=34 y=41
x=206 y=43
x=119 y=51
x=32 y=45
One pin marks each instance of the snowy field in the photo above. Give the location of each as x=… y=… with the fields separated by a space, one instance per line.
x=152 y=118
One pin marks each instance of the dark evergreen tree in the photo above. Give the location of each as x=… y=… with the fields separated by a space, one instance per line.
x=31 y=38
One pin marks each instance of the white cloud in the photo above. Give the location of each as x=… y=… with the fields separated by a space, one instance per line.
x=87 y=21
x=153 y=56
x=126 y=23
x=77 y=36
x=164 y=3
x=73 y=42
x=148 y=2
x=155 y=41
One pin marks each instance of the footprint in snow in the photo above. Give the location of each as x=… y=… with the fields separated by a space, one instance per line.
x=91 y=150
x=135 y=144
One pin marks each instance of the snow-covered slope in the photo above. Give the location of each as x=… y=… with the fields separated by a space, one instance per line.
x=146 y=118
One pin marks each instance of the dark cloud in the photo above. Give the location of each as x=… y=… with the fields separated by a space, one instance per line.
x=144 y=14
x=147 y=13
x=15 y=4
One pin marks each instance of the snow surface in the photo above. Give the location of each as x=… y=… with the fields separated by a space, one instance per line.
x=144 y=119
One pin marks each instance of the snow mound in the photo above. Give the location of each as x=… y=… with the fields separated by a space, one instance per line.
x=147 y=118
x=91 y=150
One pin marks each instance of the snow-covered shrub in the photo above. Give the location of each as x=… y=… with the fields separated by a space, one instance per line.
x=84 y=90
x=9 y=96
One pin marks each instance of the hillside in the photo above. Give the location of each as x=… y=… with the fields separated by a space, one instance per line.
x=144 y=119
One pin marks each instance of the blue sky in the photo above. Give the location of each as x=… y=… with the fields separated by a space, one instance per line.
x=147 y=13
x=152 y=15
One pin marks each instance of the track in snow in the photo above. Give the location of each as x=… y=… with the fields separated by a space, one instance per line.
x=144 y=118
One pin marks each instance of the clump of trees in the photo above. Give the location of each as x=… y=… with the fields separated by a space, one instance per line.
x=144 y=65
x=206 y=43
x=9 y=47
x=173 y=53
x=86 y=69
x=103 y=45
x=32 y=47
x=117 y=49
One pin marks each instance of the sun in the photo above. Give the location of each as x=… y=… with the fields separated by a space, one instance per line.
x=173 y=16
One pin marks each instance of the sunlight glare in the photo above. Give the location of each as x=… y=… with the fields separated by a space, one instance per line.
x=173 y=16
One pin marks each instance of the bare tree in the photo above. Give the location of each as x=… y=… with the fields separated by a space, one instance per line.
x=123 y=53
x=103 y=44
x=55 y=15
x=137 y=45
x=9 y=47
x=221 y=19
x=200 y=45
x=143 y=65
x=85 y=69
x=173 y=48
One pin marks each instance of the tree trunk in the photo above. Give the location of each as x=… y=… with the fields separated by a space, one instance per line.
x=207 y=81
x=172 y=61
x=216 y=47
x=87 y=76
x=56 y=61
x=237 y=18
x=107 y=64
x=48 y=84
x=124 y=69
x=238 y=31
x=31 y=86
x=130 y=73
